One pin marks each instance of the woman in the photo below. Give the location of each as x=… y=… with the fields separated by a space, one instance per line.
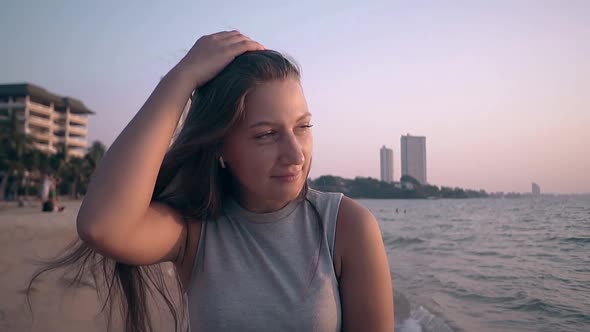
x=228 y=205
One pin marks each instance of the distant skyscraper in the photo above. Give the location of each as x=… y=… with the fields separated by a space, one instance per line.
x=413 y=151
x=536 y=189
x=386 y=164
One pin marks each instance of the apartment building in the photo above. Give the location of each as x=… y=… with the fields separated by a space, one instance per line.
x=49 y=119
x=413 y=157
x=386 y=159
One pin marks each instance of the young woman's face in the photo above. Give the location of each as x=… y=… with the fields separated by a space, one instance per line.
x=269 y=152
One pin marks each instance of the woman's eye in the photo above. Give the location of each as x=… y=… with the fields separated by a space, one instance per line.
x=265 y=135
x=304 y=128
x=271 y=134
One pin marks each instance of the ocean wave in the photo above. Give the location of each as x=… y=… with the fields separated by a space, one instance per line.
x=409 y=318
x=428 y=321
x=528 y=219
x=467 y=238
x=409 y=325
x=571 y=239
x=547 y=308
x=485 y=253
x=402 y=241
x=422 y=320
x=575 y=208
x=577 y=239
x=481 y=298
x=460 y=219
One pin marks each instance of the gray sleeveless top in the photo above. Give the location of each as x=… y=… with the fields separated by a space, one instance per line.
x=268 y=272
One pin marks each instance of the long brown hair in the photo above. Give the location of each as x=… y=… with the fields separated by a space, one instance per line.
x=190 y=181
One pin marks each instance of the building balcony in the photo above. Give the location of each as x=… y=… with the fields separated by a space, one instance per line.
x=77 y=142
x=39 y=122
x=40 y=108
x=46 y=136
x=78 y=119
x=77 y=130
x=60 y=116
x=59 y=127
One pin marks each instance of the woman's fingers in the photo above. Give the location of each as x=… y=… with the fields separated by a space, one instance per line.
x=246 y=45
x=229 y=34
x=211 y=53
x=238 y=44
x=224 y=34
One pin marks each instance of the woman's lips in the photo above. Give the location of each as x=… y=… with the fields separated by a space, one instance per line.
x=289 y=177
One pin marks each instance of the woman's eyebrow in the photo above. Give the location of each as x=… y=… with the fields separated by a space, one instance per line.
x=270 y=123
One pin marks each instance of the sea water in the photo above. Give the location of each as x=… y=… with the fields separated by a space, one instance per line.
x=519 y=264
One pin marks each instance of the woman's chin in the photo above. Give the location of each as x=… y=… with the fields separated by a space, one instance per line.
x=286 y=193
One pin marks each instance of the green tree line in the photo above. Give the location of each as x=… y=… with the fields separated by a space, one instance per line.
x=361 y=187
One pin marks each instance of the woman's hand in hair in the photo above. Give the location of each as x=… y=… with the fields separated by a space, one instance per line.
x=212 y=53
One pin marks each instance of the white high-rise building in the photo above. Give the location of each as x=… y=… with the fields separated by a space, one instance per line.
x=386 y=164
x=413 y=157
x=48 y=119
x=536 y=189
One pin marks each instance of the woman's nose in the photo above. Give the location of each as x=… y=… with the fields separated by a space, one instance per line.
x=291 y=151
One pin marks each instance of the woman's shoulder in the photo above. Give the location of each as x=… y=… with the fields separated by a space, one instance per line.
x=326 y=204
x=352 y=212
x=355 y=228
x=356 y=224
x=323 y=197
x=347 y=208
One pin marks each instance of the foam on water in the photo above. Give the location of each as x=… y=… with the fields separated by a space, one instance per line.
x=409 y=325
x=428 y=321
x=422 y=320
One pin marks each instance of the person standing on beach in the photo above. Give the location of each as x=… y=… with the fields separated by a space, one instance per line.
x=49 y=195
x=228 y=204
x=45 y=187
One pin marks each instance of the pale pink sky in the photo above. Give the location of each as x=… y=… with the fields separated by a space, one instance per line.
x=500 y=90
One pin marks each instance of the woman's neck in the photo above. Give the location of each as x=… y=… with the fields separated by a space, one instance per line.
x=259 y=205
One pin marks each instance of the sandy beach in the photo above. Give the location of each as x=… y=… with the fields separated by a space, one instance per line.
x=26 y=235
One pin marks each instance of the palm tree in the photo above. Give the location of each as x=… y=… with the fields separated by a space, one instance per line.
x=73 y=174
x=37 y=164
x=14 y=145
x=31 y=162
x=95 y=152
x=58 y=160
x=76 y=172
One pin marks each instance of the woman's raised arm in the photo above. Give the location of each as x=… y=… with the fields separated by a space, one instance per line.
x=117 y=217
